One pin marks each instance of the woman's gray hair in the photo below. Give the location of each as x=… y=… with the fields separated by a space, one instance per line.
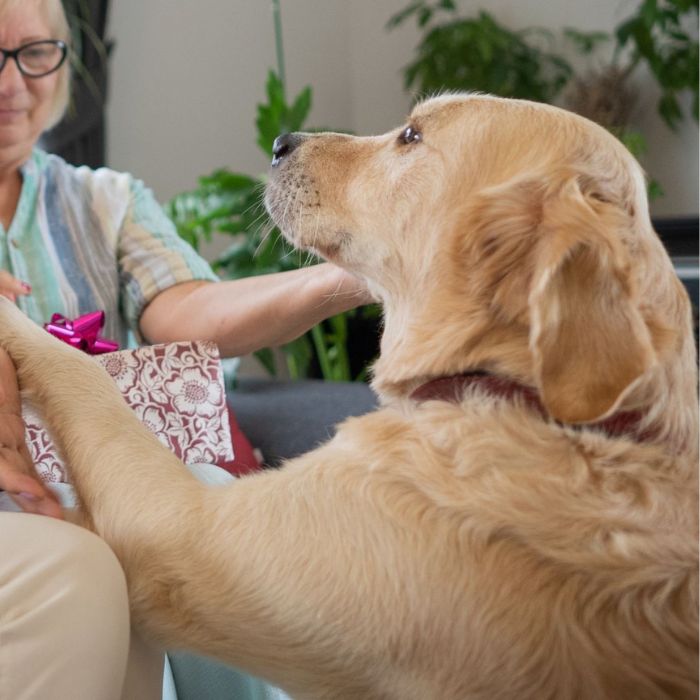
x=55 y=16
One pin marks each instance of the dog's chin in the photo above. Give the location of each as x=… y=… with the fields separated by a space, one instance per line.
x=332 y=251
x=333 y=246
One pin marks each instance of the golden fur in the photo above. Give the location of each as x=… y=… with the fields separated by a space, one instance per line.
x=440 y=550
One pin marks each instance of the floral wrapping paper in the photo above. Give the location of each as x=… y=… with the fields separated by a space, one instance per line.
x=176 y=390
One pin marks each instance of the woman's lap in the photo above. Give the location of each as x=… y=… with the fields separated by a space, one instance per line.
x=192 y=674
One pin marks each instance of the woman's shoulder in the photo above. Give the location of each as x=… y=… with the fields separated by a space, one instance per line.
x=80 y=182
x=53 y=165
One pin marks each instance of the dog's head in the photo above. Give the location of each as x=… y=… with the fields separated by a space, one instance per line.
x=500 y=235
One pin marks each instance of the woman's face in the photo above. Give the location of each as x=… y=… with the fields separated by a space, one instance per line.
x=25 y=103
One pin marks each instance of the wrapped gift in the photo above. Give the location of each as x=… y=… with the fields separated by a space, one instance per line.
x=176 y=390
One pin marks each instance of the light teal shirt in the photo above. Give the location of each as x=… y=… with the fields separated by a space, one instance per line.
x=88 y=240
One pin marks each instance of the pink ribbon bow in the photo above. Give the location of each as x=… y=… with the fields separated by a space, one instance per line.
x=82 y=332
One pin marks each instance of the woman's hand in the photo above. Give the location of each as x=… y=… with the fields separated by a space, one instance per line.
x=11 y=287
x=348 y=288
x=18 y=476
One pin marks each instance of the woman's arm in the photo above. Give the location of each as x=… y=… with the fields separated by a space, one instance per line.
x=248 y=314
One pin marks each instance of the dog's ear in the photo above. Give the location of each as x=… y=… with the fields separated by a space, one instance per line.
x=588 y=339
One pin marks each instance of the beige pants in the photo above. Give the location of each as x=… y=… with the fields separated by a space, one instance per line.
x=64 y=618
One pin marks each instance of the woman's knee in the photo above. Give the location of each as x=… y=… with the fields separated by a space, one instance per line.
x=68 y=574
x=90 y=571
x=62 y=601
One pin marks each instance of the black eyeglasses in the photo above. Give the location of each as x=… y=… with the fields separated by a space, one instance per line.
x=38 y=58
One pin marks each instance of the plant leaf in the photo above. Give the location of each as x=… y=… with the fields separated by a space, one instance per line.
x=403 y=15
x=267 y=359
x=300 y=110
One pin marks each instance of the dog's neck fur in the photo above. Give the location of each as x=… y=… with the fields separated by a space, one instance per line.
x=665 y=398
x=434 y=346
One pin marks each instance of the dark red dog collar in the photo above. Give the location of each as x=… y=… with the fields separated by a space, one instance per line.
x=452 y=388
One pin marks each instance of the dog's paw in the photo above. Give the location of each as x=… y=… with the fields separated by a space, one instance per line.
x=11 y=317
x=19 y=335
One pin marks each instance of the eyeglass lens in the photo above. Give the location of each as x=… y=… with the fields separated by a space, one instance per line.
x=39 y=57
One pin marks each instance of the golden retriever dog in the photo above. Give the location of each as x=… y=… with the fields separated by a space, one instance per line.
x=518 y=519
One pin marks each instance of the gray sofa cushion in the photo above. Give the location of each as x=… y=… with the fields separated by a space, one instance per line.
x=287 y=418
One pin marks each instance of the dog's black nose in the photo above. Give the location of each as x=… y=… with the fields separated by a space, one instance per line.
x=283 y=146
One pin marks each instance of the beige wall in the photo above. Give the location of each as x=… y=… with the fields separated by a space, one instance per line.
x=187 y=75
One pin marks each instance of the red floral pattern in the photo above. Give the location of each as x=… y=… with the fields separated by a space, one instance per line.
x=177 y=392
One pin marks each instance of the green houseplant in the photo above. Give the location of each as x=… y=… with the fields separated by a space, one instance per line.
x=477 y=53
x=231 y=203
x=659 y=35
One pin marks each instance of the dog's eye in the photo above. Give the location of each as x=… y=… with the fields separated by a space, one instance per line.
x=410 y=135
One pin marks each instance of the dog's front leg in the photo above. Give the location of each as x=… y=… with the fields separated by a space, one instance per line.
x=232 y=572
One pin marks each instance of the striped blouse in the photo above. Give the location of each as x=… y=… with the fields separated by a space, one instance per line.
x=92 y=239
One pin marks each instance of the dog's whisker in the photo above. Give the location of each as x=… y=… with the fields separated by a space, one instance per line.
x=263 y=240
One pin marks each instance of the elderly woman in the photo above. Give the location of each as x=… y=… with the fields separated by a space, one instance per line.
x=73 y=240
